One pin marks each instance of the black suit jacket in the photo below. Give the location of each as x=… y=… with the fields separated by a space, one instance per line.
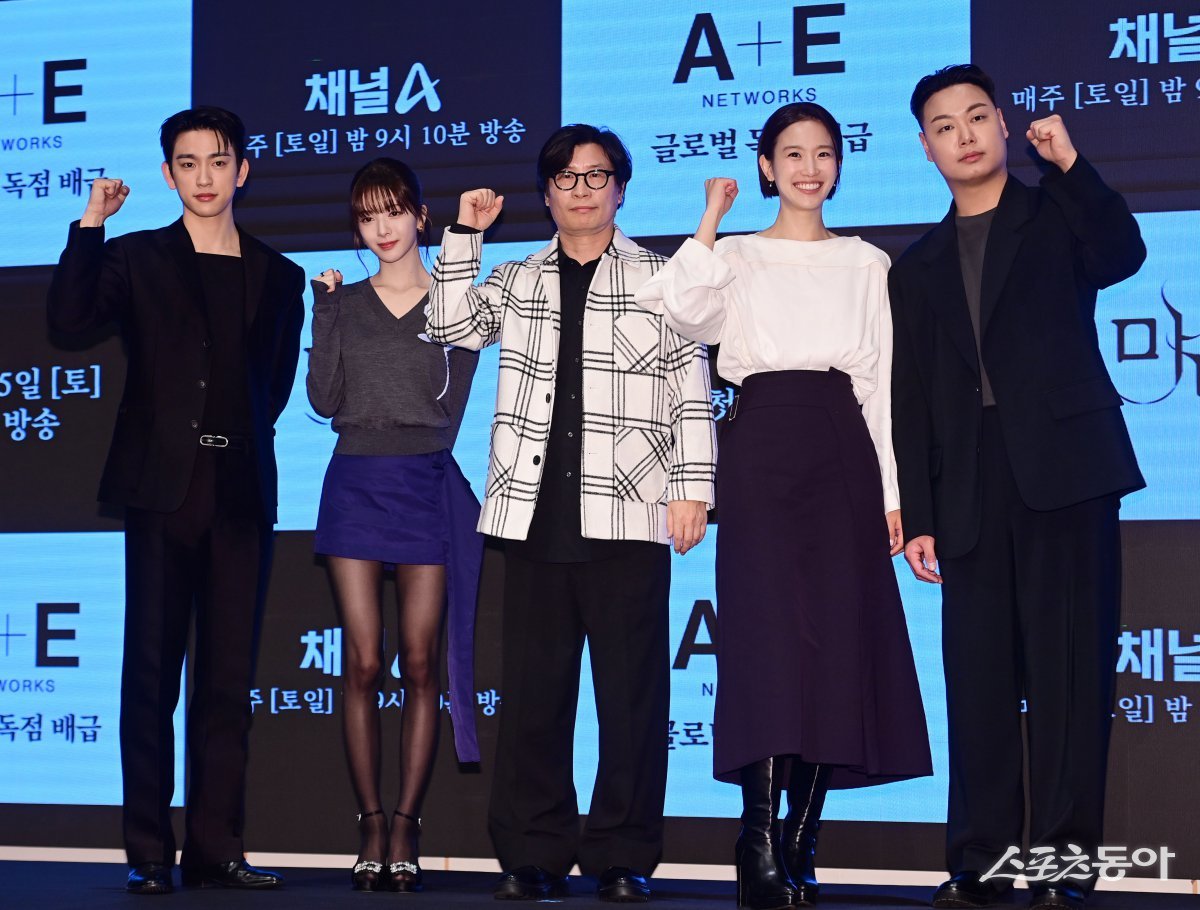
x=1048 y=252
x=149 y=283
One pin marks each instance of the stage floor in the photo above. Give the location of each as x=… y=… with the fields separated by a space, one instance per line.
x=94 y=886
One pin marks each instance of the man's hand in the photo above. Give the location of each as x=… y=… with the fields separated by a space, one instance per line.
x=687 y=520
x=479 y=208
x=922 y=559
x=331 y=278
x=1049 y=136
x=106 y=199
x=895 y=532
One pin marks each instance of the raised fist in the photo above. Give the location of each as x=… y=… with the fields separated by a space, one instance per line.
x=331 y=278
x=106 y=198
x=479 y=208
x=1049 y=136
x=719 y=193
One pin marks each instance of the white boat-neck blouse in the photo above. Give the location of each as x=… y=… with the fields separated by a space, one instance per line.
x=789 y=305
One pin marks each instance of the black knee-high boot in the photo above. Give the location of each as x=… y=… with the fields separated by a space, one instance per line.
x=807 y=787
x=760 y=884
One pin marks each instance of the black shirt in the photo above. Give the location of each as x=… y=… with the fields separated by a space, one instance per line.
x=227 y=402
x=972 y=242
x=555 y=533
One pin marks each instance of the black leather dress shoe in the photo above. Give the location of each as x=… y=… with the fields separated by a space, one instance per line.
x=529 y=883
x=966 y=890
x=237 y=873
x=1059 y=896
x=622 y=886
x=149 y=878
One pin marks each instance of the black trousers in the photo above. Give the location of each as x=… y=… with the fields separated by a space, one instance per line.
x=209 y=559
x=620 y=606
x=1031 y=613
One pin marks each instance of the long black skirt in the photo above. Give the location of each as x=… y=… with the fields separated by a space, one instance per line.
x=813 y=656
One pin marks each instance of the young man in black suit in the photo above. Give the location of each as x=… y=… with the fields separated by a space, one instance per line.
x=1013 y=456
x=211 y=321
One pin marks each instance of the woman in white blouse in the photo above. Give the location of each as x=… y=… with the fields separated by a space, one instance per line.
x=816 y=683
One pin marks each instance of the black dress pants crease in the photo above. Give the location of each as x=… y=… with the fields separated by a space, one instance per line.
x=209 y=559
x=620 y=606
x=1030 y=613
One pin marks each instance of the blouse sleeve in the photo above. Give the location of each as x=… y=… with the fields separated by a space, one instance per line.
x=877 y=409
x=689 y=292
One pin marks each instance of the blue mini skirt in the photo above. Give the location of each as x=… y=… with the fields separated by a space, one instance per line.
x=388 y=508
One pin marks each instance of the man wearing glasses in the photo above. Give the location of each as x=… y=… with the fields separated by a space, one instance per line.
x=602 y=453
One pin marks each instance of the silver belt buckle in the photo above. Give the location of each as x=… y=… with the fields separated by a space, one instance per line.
x=216 y=442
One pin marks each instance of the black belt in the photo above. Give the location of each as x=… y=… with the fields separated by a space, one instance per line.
x=232 y=443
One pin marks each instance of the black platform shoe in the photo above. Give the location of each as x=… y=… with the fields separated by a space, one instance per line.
x=761 y=885
x=406 y=875
x=807 y=787
x=367 y=874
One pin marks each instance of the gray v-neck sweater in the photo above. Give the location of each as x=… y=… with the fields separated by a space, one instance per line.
x=388 y=391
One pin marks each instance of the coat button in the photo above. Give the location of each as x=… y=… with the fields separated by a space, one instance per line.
x=537 y=459
x=205 y=343
x=547 y=399
x=195 y=424
x=202 y=384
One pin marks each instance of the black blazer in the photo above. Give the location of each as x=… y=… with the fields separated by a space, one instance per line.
x=1048 y=252
x=149 y=283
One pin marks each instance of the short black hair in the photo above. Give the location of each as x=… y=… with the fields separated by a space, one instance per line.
x=796 y=112
x=384 y=184
x=947 y=76
x=227 y=125
x=560 y=147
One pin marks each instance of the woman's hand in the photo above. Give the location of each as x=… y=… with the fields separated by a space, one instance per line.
x=719 y=193
x=331 y=278
x=895 y=532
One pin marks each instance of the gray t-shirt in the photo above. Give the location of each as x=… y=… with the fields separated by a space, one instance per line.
x=972 y=242
x=388 y=391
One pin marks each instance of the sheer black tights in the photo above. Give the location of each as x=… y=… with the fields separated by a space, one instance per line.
x=421 y=594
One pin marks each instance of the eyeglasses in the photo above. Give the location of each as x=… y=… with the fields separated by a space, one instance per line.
x=596 y=179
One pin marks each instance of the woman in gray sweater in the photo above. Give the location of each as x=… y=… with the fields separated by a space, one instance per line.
x=393 y=495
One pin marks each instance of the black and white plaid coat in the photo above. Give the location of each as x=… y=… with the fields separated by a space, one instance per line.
x=647 y=408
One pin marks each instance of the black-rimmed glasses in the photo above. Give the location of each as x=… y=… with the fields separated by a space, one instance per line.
x=596 y=179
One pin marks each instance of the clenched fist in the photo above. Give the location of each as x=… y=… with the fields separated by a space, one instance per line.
x=331 y=278
x=479 y=209
x=106 y=198
x=1049 y=136
x=719 y=193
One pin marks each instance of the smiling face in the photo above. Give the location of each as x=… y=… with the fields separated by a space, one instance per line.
x=205 y=173
x=964 y=135
x=583 y=210
x=390 y=232
x=803 y=166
